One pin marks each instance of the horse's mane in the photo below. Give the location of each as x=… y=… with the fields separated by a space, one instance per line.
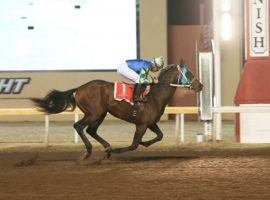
x=165 y=70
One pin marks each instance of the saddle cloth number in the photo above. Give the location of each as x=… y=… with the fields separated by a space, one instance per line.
x=123 y=91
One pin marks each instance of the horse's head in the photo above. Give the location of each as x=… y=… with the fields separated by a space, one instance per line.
x=180 y=75
x=187 y=78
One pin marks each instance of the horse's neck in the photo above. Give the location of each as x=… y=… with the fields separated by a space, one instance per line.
x=162 y=94
x=168 y=93
x=168 y=78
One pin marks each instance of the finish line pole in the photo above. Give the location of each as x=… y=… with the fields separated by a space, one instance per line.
x=217 y=66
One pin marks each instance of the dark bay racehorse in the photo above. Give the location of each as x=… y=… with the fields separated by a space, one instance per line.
x=96 y=98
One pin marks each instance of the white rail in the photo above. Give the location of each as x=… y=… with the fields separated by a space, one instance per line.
x=178 y=111
x=235 y=109
x=241 y=109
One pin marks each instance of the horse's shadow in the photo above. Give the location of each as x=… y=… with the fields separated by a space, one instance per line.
x=141 y=159
x=99 y=159
x=154 y=158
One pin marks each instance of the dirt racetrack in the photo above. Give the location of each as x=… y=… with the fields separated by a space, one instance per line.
x=192 y=171
x=225 y=170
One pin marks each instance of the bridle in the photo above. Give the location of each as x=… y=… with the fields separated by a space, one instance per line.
x=188 y=83
x=181 y=75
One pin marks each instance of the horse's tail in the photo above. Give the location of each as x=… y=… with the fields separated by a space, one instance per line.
x=56 y=101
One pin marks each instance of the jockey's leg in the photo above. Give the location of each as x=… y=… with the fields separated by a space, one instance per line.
x=138 y=91
x=128 y=73
x=143 y=99
x=136 y=99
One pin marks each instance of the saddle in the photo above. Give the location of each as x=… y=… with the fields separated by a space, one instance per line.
x=124 y=92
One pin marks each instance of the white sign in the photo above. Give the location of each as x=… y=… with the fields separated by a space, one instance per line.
x=254 y=127
x=66 y=34
x=259 y=28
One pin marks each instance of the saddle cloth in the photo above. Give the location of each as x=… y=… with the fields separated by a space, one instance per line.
x=124 y=91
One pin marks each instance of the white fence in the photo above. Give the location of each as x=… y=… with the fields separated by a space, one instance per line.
x=178 y=111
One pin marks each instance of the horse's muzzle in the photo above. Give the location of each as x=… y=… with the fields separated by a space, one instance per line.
x=196 y=85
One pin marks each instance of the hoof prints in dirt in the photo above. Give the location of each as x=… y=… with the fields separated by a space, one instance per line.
x=27 y=162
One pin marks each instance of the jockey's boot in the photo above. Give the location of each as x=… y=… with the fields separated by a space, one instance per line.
x=143 y=99
x=138 y=90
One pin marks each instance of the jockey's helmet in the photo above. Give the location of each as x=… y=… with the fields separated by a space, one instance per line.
x=159 y=61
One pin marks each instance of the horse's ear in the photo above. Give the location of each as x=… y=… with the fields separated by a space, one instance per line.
x=182 y=62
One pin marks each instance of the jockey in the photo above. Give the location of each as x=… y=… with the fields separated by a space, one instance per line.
x=137 y=71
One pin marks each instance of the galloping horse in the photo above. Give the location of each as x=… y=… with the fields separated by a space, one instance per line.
x=96 y=98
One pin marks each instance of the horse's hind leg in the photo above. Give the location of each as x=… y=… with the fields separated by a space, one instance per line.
x=79 y=126
x=92 y=130
x=140 y=131
x=157 y=131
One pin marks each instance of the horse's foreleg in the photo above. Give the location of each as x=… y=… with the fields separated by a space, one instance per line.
x=79 y=126
x=157 y=131
x=140 y=131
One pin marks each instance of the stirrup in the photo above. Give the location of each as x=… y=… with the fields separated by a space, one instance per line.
x=136 y=99
x=144 y=99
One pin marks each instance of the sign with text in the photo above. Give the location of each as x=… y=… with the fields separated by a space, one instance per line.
x=12 y=85
x=259 y=28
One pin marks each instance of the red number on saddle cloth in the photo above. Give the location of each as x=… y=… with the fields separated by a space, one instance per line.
x=123 y=91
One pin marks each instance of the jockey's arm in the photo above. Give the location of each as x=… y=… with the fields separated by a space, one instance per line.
x=143 y=77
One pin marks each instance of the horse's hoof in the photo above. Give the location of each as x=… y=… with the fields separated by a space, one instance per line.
x=85 y=159
x=108 y=155
x=85 y=156
x=145 y=144
x=108 y=149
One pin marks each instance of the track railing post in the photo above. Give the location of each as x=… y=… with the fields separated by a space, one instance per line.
x=47 y=123
x=177 y=128
x=214 y=134
x=182 y=133
x=76 y=136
